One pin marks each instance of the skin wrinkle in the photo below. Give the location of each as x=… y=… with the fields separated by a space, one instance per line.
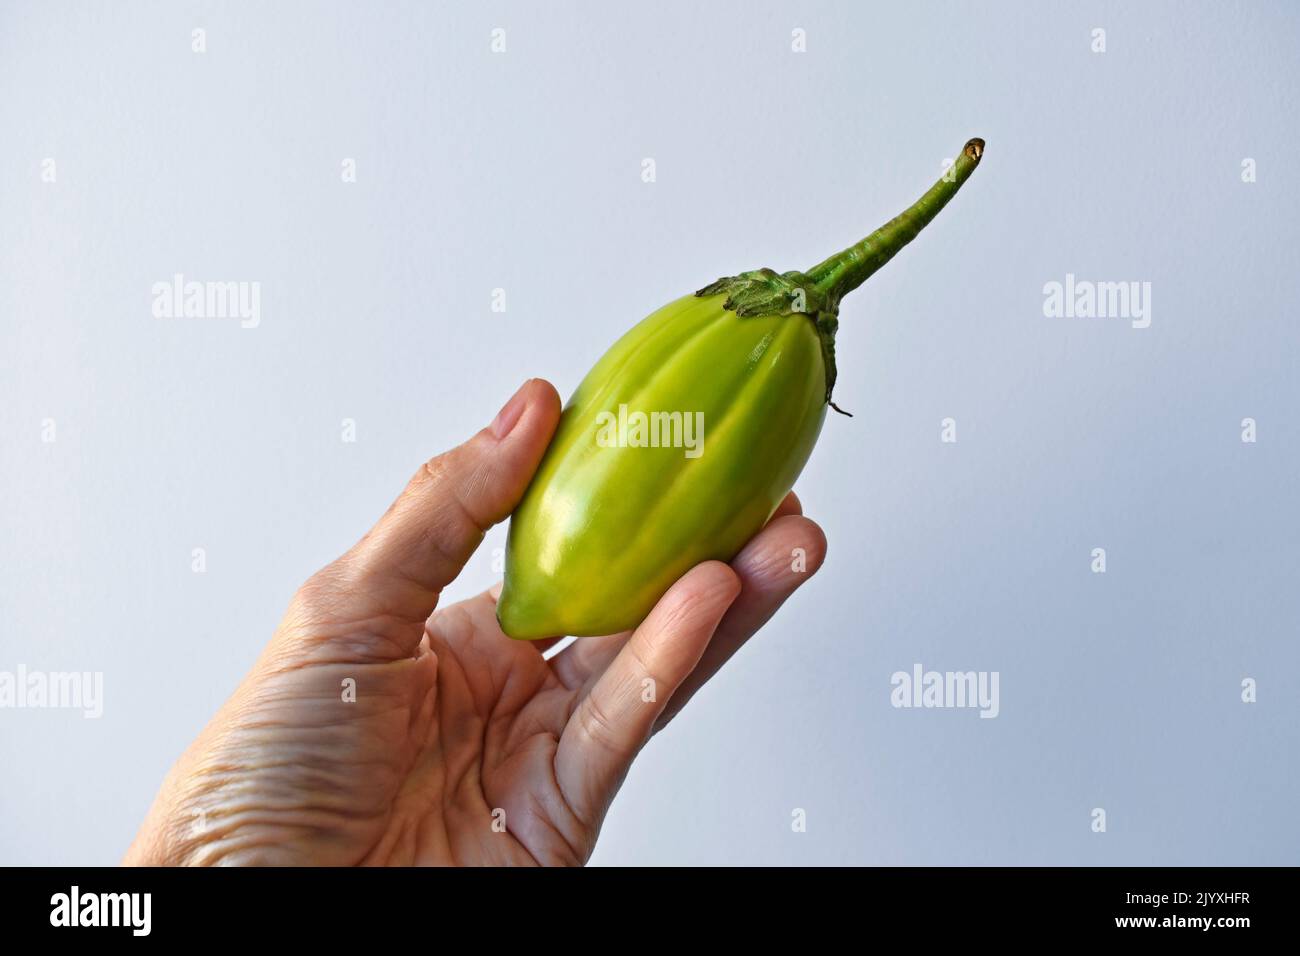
x=303 y=763
x=498 y=727
x=440 y=472
x=339 y=586
x=428 y=699
x=596 y=726
x=482 y=704
x=384 y=851
x=351 y=647
x=293 y=783
x=455 y=779
x=541 y=815
x=320 y=725
x=234 y=829
x=565 y=810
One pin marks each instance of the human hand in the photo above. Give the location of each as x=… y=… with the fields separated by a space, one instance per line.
x=461 y=746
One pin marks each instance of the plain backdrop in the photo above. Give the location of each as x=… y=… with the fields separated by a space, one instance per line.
x=522 y=170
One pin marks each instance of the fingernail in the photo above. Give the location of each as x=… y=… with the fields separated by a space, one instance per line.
x=508 y=417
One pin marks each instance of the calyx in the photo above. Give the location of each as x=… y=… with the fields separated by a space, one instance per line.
x=768 y=292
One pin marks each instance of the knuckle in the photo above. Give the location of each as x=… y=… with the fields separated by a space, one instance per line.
x=597 y=725
x=451 y=484
x=323 y=594
x=437 y=470
x=636 y=655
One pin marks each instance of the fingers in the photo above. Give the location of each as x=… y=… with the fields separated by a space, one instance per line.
x=613 y=721
x=771 y=567
x=790 y=505
x=417 y=548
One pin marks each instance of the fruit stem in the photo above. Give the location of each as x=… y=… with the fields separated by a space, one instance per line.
x=845 y=271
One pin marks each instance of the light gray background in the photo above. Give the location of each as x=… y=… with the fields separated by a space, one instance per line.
x=522 y=171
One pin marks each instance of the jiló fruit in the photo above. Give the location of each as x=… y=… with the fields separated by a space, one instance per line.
x=685 y=437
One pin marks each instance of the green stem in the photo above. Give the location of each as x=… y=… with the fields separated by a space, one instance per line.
x=817 y=292
x=845 y=271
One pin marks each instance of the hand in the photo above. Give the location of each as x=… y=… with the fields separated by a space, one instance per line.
x=458 y=745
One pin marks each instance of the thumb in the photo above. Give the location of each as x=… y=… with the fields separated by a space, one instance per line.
x=397 y=571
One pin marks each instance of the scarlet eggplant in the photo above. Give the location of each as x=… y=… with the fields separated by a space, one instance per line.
x=630 y=496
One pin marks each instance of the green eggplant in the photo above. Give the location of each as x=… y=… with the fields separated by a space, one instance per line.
x=685 y=437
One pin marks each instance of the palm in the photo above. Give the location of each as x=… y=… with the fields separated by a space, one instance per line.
x=480 y=782
x=487 y=745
